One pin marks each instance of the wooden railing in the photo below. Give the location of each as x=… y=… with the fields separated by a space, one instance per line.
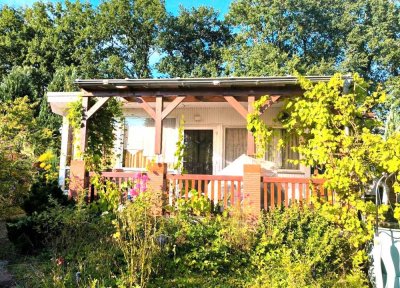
x=116 y=177
x=223 y=190
x=278 y=192
x=228 y=190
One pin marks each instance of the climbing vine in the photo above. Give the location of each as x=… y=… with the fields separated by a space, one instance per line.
x=101 y=126
x=261 y=132
x=180 y=147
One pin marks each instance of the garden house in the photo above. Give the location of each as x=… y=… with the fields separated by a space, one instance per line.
x=214 y=112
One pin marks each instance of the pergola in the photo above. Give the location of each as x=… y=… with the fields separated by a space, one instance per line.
x=167 y=94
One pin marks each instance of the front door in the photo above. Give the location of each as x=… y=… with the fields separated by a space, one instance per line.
x=198 y=152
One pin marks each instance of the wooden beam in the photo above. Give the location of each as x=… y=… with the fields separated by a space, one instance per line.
x=250 y=137
x=217 y=92
x=83 y=132
x=100 y=102
x=272 y=100
x=158 y=125
x=146 y=107
x=236 y=105
x=172 y=106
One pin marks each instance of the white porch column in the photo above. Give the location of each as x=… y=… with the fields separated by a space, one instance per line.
x=64 y=152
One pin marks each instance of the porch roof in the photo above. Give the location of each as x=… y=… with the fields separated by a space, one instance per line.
x=196 y=89
x=232 y=82
x=232 y=90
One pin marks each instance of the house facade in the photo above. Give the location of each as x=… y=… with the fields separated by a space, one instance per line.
x=214 y=112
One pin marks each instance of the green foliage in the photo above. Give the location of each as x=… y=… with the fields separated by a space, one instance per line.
x=18 y=83
x=323 y=246
x=338 y=134
x=192 y=42
x=101 y=137
x=42 y=195
x=137 y=235
x=313 y=37
x=180 y=147
x=261 y=132
x=392 y=124
x=18 y=136
x=302 y=247
x=129 y=30
x=198 y=205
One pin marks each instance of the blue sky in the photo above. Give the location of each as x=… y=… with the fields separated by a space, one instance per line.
x=171 y=5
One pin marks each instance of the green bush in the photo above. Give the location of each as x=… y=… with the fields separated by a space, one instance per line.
x=31 y=233
x=129 y=245
x=203 y=243
x=38 y=199
x=300 y=247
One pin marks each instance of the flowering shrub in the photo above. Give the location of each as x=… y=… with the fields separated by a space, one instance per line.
x=137 y=185
x=112 y=195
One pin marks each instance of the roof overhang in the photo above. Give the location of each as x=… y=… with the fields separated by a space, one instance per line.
x=194 y=89
x=192 y=83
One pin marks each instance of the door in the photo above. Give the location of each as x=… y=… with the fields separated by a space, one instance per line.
x=198 y=151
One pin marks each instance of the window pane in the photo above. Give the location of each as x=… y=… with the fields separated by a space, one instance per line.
x=139 y=141
x=291 y=140
x=235 y=143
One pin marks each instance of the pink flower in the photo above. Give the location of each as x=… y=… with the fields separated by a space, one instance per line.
x=145 y=178
x=59 y=261
x=133 y=192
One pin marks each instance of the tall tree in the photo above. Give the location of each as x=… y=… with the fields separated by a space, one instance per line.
x=192 y=42
x=128 y=32
x=13 y=38
x=314 y=37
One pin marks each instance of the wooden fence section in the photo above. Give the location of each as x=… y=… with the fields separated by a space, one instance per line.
x=278 y=192
x=226 y=191
x=116 y=177
x=220 y=189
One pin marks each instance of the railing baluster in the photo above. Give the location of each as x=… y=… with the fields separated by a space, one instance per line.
x=232 y=192
x=272 y=186
x=212 y=191
x=279 y=204
x=285 y=195
x=219 y=190
x=199 y=188
x=186 y=189
x=225 y=195
x=265 y=192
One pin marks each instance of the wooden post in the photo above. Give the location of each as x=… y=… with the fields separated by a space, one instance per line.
x=250 y=137
x=77 y=178
x=64 y=151
x=158 y=184
x=83 y=134
x=251 y=187
x=158 y=125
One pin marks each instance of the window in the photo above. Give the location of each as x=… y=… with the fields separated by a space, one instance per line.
x=139 y=143
x=236 y=145
x=281 y=156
